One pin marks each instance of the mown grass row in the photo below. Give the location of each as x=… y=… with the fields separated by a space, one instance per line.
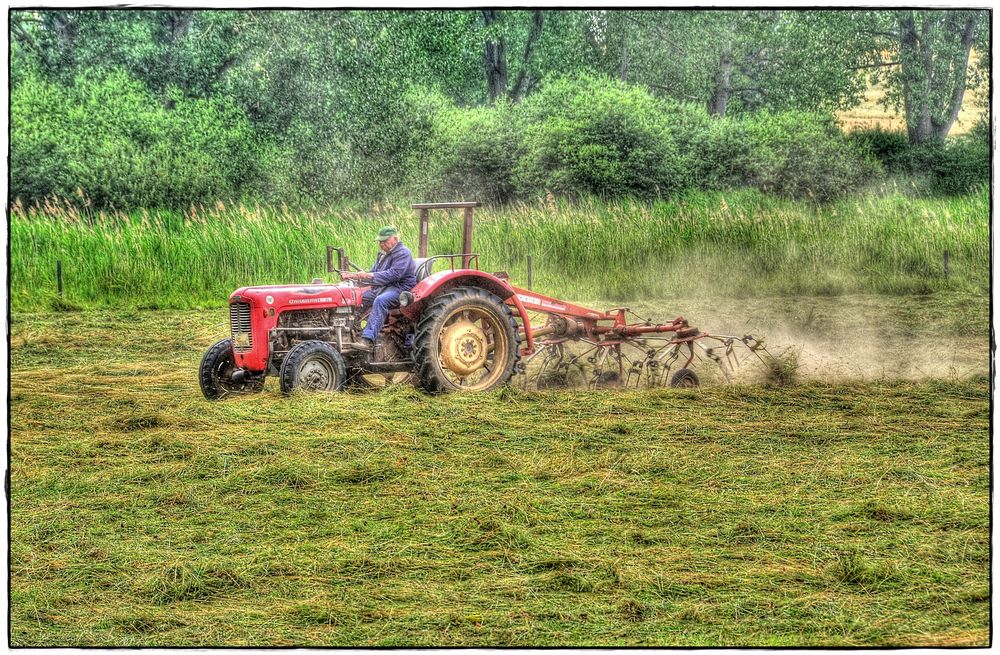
x=822 y=514
x=734 y=244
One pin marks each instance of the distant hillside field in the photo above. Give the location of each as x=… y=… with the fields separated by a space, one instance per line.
x=871 y=113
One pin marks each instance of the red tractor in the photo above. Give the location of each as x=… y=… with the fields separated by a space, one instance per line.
x=458 y=329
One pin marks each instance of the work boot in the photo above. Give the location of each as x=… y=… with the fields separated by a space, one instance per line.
x=365 y=344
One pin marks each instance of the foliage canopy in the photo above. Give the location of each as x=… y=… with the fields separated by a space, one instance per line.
x=172 y=106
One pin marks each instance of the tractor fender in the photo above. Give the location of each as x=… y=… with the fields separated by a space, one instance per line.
x=438 y=282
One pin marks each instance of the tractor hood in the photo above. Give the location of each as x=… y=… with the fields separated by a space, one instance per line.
x=255 y=311
x=299 y=296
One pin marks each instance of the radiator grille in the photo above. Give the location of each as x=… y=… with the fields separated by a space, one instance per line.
x=239 y=321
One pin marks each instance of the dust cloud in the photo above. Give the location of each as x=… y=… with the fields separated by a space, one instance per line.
x=854 y=337
x=810 y=312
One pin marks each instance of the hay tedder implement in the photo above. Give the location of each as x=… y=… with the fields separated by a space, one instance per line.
x=578 y=347
x=458 y=329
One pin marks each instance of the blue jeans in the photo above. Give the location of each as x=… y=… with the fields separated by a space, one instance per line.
x=386 y=299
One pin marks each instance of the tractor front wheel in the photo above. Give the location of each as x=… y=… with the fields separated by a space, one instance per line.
x=313 y=366
x=216 y=370
x=466 y=340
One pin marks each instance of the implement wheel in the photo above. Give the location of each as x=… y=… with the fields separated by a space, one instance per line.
x=685 y=378
x=466 y=340
x=313 y=366
x=214 y=374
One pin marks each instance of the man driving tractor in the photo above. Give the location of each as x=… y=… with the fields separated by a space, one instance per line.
x=461 y=331
x=393 y=273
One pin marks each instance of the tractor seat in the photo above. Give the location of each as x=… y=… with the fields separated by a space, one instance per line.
x=424 y=267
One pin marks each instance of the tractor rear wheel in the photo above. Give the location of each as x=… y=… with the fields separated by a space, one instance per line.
x=466 y=340
x=214 y=374
x=313 y=366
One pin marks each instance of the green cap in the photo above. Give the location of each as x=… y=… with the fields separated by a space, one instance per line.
x=386 y=232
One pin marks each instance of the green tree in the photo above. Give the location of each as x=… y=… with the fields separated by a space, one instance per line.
x=927 y=70
x=177 y=48
x=745 y=60
x=495 y=55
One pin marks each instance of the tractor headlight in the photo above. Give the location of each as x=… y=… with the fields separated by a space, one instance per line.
x=405 y=298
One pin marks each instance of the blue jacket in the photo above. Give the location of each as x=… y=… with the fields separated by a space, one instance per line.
x=394 y=269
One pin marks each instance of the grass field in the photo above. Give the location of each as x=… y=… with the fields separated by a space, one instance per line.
x=738 y=245
x=852 y=509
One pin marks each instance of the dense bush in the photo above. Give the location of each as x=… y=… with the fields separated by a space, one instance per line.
x=794 y=154
x=597 y=136
x=109 y=138
x=106 y=137
x=959 y=165
x=593 y=135
x=469 y=154
x=949 y=167
x=891 y=148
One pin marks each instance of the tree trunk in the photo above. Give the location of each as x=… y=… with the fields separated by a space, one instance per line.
x=523 y=77
x=623 y=76
x=24 y=36
x=64 y=25
x=595 y=43
x=179 y=22
x=960 y=68
x=176 y=25
x=495 y=60
x=61 y=54
x=914 y=72
x=934 y=82
x=723 y=86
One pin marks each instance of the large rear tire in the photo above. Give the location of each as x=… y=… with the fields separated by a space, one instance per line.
x=313 y=366
x=215 y=370
x=466 y=340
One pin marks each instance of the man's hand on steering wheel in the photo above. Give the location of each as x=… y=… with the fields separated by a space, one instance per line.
x=360 y=277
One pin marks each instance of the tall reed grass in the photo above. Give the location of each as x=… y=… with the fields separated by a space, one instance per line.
x=743 y=243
